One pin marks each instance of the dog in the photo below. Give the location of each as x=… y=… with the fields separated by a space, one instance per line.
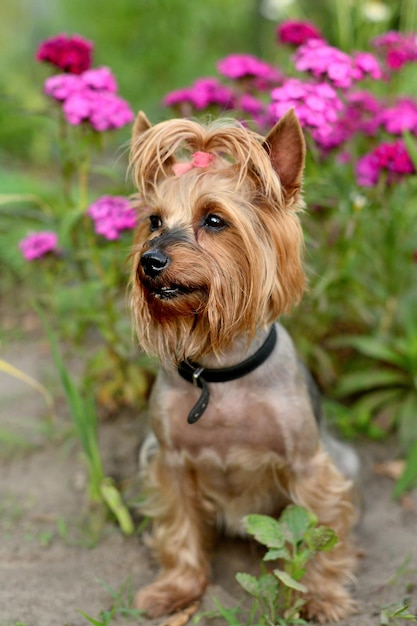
x=217 y=258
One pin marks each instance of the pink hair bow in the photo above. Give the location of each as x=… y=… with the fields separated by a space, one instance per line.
x=199 y=159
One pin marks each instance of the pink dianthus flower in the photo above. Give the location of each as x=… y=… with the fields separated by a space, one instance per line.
x=37 y=245
x=342 y=70
x=111 y=215
x=360 y=115
x=100 y=78
x=391 y=158
x=90 y=97
x=400 y=117
x=62 y=86
x=203 y=93
x=296 y=32
x=398 y=48
x=70 y=54
x=317 y=106
x=237 y=66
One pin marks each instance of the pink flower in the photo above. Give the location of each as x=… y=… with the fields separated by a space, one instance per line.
x=297 y=32
x=400 y=117
x=112 y=215
x=398 y=48
x=324 y=61
x=203 y=93
x=237 y=66
x=392 y=158
x=62 y=86
x=367 y=64
x=367 y=171
x=70 y=54
x=100 y=78
x=109 y=111
x=362 y=112
x=247 y=102
x=90 y=97
x=37 y=245
x=316 y=104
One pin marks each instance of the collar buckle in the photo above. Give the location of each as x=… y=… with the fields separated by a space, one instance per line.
x=196 y=375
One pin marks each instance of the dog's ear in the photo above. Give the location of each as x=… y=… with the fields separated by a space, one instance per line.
x=141 y=124
x=286 y=148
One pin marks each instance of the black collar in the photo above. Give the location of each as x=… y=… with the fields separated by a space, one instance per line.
x=200 y=376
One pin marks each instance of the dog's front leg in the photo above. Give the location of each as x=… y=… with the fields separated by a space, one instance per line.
x=181 y=538
x=318 y=486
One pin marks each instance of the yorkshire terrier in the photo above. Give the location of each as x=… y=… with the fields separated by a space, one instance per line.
x=217 y=258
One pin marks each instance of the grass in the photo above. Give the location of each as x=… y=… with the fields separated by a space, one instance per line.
x=121 y=605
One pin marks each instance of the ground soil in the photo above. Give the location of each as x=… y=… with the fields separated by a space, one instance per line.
x=49 y=571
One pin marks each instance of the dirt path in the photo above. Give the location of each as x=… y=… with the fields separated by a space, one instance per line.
x=48 y=574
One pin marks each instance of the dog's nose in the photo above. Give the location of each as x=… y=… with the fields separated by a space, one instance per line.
x=154 y=262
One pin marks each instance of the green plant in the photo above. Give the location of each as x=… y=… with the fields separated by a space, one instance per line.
x=102 y=490
x=72 y=244
x=122 y=603
x=392 y=613
x=293 y=540
x=384 y=385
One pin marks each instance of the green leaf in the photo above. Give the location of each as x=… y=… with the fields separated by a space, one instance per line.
x=372 y=347
x=228 y=614
x=288 y=581
x=93 y=621
x=265 y=529
x=277 y=553
x=406 y=418
x=114 y=501
x=321 y=539
x=268 y=588
x=296 y=521
x=365 y=380
x=374 y=400
x=411 y=147
x=410 y=473
x=249 y=583
x=67 y=224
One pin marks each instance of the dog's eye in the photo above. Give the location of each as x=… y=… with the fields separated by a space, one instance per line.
x=155 y=222
x=214 y=222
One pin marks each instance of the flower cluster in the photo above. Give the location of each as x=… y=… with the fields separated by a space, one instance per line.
x=236 y=66
x=70 y=54
x=296 y=33
x=398 y=48
x=37 y=245
x=90 y=96
x=391 y=158
x=328 y=101
x=400 y=117
x=111 y=215
x=341 y=69
x=203 y=93
x=317 y=106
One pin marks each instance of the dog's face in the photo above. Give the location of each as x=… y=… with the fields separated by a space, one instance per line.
x=218 y=249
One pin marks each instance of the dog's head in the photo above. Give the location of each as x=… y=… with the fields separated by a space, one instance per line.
x=218 y=249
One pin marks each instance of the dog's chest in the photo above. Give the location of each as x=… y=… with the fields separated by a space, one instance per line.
x=235 y=419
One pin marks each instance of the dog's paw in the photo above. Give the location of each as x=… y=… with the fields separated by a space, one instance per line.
x=154 y=601
x=162 y=598
x=330 y=608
